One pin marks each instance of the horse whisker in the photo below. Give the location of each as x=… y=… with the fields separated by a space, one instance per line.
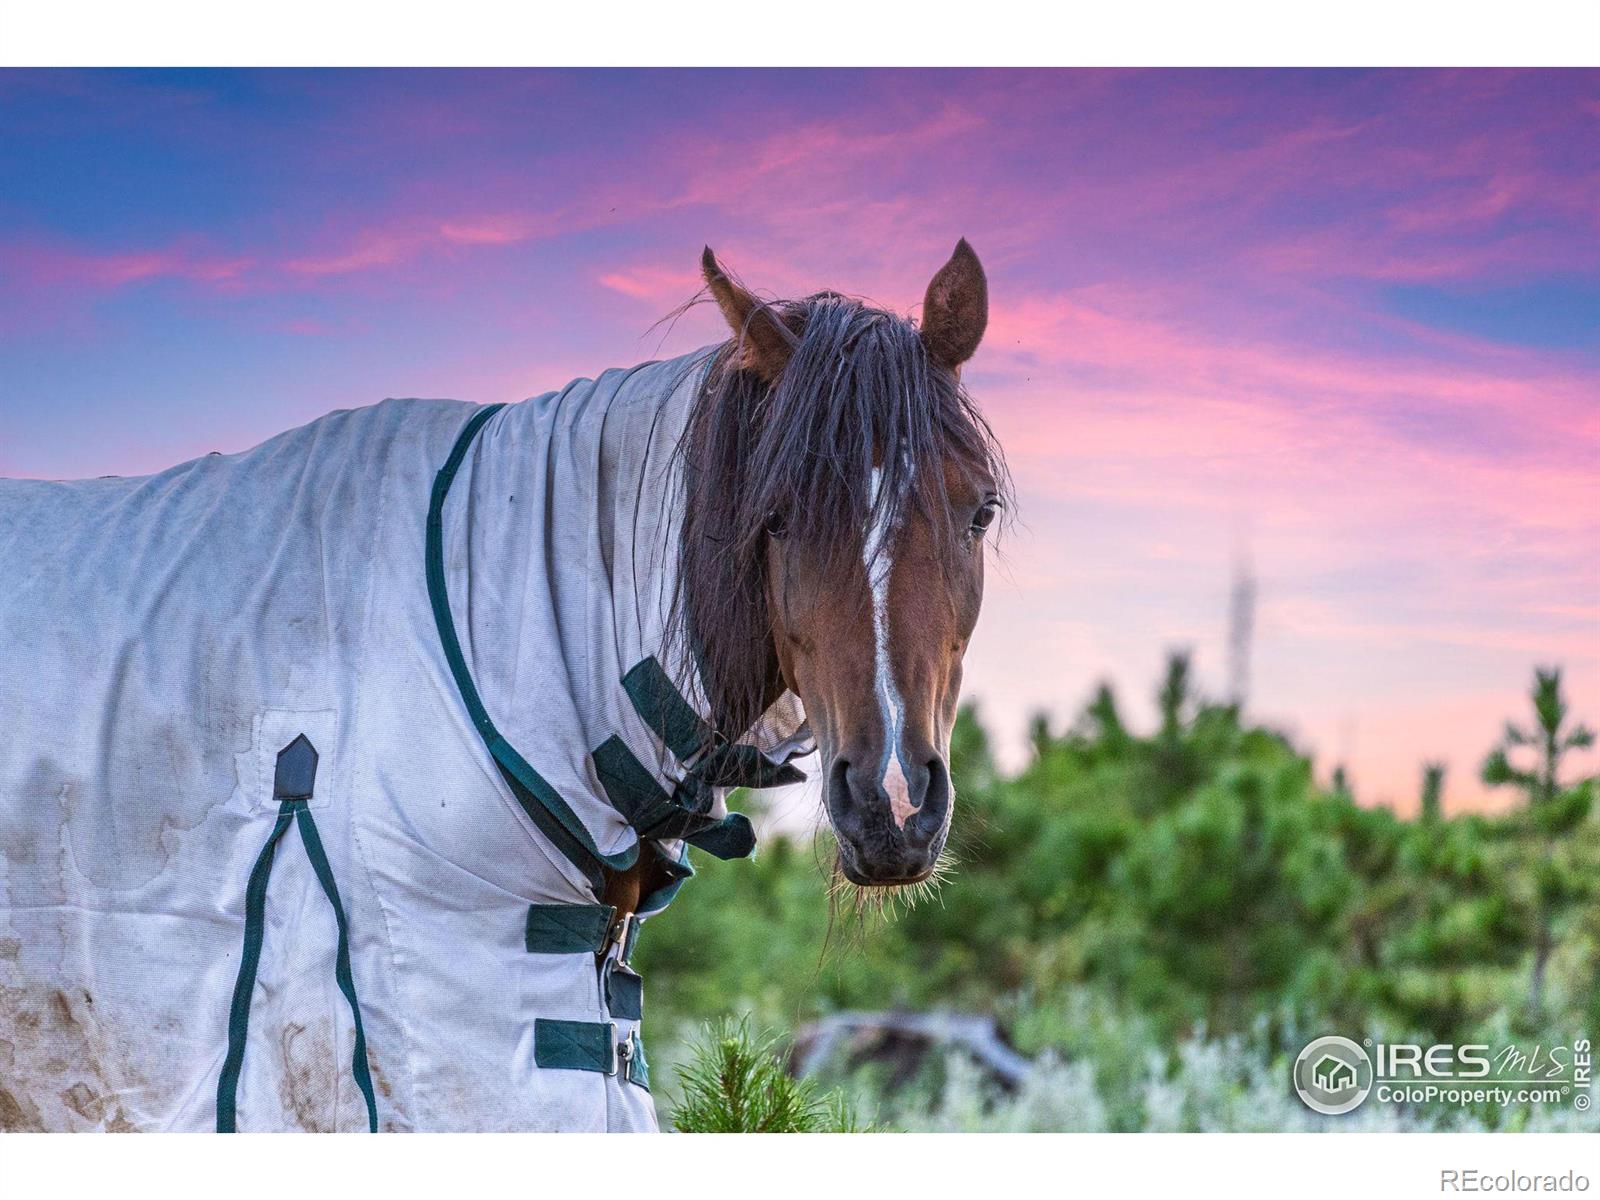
x=884 y=904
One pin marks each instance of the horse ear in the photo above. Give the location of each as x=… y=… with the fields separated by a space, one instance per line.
x=955 y=311
x=765 y=340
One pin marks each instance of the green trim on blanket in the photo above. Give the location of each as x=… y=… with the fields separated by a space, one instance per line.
x=255 y=906
x=552 y=829
x=543 y=804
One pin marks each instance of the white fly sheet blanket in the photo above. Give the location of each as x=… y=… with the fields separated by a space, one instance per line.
x=207 y=923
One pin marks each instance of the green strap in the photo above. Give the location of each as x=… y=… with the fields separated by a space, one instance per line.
x=341 y=971
x=539 y=800
x=624 y=991
x=574 y=1045
x=730 y=838
x=255 y=908
x=634 y=792
x=717 y=760
x=255 y=911
x=664 y=709
x=711 y=761
x=568 y=928
x=739 y=764
x=638 y=1066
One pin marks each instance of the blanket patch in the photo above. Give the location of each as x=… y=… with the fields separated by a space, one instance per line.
x=275 y=728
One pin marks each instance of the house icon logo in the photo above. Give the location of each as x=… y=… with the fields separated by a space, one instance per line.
x=1332 y=1075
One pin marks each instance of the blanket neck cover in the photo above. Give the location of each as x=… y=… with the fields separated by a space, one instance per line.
x=264 y=864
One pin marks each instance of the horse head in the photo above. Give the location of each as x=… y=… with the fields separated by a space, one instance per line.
x=841 y=483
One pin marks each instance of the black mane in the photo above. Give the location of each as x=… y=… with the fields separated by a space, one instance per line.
x=858 y=391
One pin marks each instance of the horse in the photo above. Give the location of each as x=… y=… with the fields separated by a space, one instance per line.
x=494 y=670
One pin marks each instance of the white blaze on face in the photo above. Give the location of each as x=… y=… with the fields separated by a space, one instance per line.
x=879 y=562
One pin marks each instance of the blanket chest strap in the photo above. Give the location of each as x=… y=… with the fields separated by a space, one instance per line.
x=292 y=787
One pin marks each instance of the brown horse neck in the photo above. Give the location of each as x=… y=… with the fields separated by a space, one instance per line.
x=625 y=889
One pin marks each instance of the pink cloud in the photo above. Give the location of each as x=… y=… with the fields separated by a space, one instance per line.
x=487 y=231
x=766 y=166
x=1112 y=332
x=659 y=285
x=55 y=265
x=370 y=250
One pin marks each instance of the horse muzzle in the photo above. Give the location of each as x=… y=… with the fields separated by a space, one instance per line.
x=889 y=832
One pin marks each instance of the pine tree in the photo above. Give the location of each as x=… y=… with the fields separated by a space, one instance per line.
x=1553 y=810
x=736 y=1082
x=1175 y=763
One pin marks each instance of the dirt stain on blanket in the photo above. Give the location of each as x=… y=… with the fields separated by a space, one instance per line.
x=53 y=1050
x=309 y=1084
x=15 y=1117
x=51 y=1065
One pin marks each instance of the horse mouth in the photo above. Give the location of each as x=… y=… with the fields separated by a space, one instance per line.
x=850 y=891
x=859 y=878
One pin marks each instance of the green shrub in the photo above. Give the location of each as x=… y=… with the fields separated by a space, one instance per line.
x=736 y=1082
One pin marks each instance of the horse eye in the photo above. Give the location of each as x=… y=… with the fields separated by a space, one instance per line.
x=984 y=517
x=777 y=526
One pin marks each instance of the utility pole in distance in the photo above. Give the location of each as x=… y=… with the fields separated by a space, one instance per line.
x=1241 y=631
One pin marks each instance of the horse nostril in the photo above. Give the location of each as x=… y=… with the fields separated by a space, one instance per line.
x=929 y=820
x=839 y=775
x=846 y=814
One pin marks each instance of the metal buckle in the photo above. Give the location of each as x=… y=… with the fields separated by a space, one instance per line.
x=622 y=1060
x=618 y=1057
x=618 y=937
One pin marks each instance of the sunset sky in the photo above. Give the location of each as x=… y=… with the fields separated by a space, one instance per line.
x=1344 y=325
